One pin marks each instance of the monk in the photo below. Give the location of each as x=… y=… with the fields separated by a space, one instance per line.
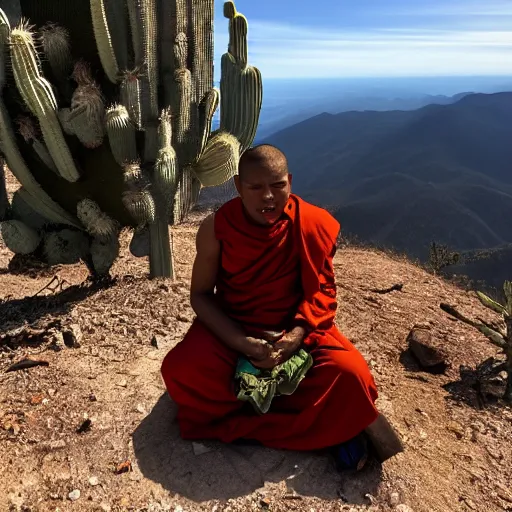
x=264 y=263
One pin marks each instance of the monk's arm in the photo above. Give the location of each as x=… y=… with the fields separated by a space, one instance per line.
x=317 y=311
x=204 y=278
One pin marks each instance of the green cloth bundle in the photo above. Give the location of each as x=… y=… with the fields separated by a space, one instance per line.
x=259 y=387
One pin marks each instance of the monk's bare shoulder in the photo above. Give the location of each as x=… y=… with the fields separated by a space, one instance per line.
x=206 y=263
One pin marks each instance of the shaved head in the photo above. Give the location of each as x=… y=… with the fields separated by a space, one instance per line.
x=264 y=183
x=265 y=157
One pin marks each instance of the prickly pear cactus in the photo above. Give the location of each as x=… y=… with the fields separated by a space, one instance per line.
x=106 y=111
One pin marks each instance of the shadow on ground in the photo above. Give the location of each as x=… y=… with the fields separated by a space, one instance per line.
x=16 y=312
x=230 y=471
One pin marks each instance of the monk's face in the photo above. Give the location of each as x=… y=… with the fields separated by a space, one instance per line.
x=264 y=193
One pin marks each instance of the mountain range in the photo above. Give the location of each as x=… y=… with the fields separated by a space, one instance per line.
x=402 y=179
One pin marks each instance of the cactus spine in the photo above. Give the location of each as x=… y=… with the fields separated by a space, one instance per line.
x=38 y=95
x=126 y=140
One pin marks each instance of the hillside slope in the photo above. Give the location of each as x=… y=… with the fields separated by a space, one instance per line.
x=401 y=179
x=457 y=457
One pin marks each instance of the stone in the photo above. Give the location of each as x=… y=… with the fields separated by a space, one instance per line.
x=72 y=336
x=394 y=499
x=156 y=341
x=200 y=449
x=403 y=508
x=430 y=355
x=74 y=495
x=456 y=428
x=94 y=481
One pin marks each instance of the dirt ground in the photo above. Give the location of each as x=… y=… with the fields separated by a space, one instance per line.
x=458 y=454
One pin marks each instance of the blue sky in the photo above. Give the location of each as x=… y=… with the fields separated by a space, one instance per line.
x=364 y=38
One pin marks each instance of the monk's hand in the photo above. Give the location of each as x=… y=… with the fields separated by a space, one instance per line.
x=288 y=344
x=257 y=349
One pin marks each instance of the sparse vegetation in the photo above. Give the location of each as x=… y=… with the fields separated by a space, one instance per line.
x=440 y=257
x=501 y=337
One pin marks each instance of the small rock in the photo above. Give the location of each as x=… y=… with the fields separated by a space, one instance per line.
x=456 y=428
x=200 y=449
x=178 y=508
x=403 y=508
x=93 y=481
x=423 y=435
x=92 y=398
x=156 y=341
x=57 y=340
x=182 y=318
x=394 y=499
x=74 y=495
x=105 y=507
x=427 y=351
x=141 y=409
x=72 y=336
x=54 y=445
x=123 y=383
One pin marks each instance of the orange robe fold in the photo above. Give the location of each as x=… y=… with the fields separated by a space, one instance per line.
x=273 y=278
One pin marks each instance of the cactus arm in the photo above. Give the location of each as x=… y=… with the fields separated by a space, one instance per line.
x=104 y=40
x=131 y=97
x=241 y=85
x=166 y=36
x=207 y=108
x=117 y=22
x=150 y=32
x=165 y=182
x=57 y=49
x=137 y=198
x=495 y=337
x=136 y=31
x=96 y=222
x=491 y=304
x=219 y=161
x=507 y=288
x=65 y=247
x=18 y=237
x=183 y=196
x=5 y=30
x=42 y=201
x=160 y=254
x=202 y=52
x=4 y=202
x=104 y=251
x=24 y=208
x=37 y=94
x=121 y=135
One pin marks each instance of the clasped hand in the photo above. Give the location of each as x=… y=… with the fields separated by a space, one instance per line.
x=266 y=355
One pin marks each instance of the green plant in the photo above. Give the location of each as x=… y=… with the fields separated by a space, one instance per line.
x=106 y=116
x=440 y=257
x=502 y=338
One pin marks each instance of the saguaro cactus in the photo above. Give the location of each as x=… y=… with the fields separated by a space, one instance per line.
x=106 y=112
x=502 y=338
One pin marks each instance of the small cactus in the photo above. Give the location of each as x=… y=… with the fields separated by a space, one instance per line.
x=502 y=338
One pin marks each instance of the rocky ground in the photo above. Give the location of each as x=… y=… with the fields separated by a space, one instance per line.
x=92 y=428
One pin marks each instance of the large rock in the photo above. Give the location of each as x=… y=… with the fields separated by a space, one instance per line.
x=427 y=350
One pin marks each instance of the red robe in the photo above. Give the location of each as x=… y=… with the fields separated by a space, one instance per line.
x=271 y=278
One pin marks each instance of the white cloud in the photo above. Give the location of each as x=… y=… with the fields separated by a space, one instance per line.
x=291 y=51
x=460 y=8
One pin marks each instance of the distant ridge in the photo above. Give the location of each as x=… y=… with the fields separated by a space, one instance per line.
x=401 y=179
